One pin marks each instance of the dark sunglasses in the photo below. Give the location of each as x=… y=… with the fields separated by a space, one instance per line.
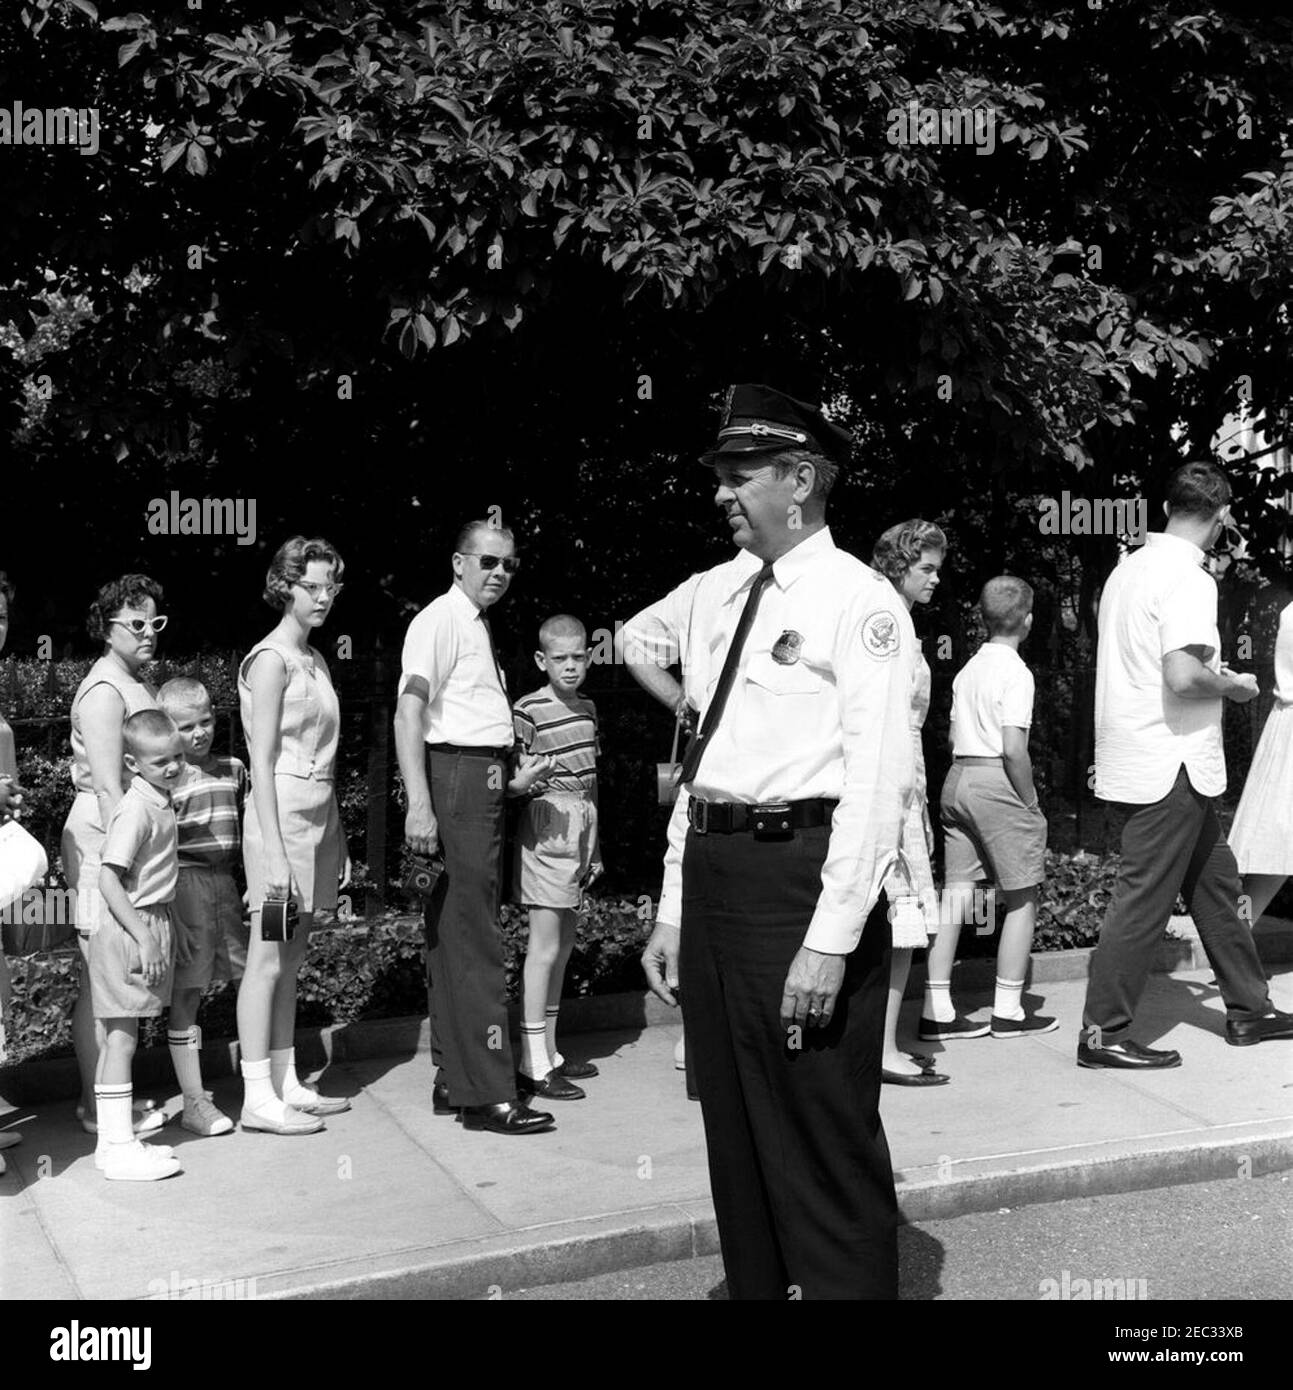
x=488 y=562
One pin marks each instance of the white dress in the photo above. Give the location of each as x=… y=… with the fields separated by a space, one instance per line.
x=910 y=884
x=1262 y=833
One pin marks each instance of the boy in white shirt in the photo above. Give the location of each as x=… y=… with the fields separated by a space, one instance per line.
x=993 y=825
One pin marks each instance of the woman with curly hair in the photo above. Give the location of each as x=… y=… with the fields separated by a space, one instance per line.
x=910 y=555
x=293 y=843
x=124 y=618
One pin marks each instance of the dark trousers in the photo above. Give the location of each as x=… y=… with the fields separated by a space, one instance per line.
x=466 y=991
x=798 y=1163
x=1168 y=847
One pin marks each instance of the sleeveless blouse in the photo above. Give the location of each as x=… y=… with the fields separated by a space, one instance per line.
x=311 y=717
x=135 y=695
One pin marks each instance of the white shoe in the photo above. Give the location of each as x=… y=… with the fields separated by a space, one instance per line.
x=101 y=1151
x=203 y=1116
x=146 y=1118
x=137 y=1162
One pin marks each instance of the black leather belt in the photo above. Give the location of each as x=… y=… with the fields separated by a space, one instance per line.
x=771 y=818
x=469 y=751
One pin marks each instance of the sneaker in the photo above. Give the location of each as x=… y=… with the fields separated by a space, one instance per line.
x=202 y=1116
x=1021 y=1027
x=138 y=1162
x=931 y=1030
x=102 y=1149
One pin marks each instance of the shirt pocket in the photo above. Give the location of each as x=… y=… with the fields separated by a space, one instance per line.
x=777 y=679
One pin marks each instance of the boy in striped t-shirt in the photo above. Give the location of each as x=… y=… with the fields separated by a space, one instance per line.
x=206 y=916
x=557 y=853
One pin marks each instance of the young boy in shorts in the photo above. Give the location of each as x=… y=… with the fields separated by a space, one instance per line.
x=130 y=954
x=994 y=827
x=206 y=917
x=556 y=852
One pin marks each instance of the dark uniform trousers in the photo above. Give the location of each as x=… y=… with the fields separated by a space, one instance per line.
x=1171 y=846
x=466 y=988
x=798 y=1162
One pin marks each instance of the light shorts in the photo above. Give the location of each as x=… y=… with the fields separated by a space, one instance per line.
x=207 y=916
x=988 y=832
x=555 y=841
x=117 y=988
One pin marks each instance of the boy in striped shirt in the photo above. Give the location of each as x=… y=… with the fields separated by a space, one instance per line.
x=556 y=851
x=206 y=916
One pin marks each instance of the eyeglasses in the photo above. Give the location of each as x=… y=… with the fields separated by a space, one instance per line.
x=138 y=626
x=314 y=590
x=488 y=562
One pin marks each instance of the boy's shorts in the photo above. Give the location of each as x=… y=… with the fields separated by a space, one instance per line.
x=207 y=916
x=117 y=988
x=555 y=841
x=988 y=831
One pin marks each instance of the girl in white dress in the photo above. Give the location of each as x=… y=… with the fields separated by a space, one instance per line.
x=910 y=555
x=1262 y=833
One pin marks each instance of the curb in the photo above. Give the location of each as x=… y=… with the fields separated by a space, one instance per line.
x=569 y=1251
x=56 y=1078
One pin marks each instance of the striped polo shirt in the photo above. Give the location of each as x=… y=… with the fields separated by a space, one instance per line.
x=567 y=733
x=208 y=809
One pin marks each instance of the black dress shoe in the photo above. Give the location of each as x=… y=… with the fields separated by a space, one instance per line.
x=507 y=1117
x=440 y=1100
x=554 y=1086
x=1243 y=1032
x=1126 y=1054
x=576 y=1071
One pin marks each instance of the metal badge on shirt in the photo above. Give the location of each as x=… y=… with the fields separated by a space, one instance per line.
x=786 y=650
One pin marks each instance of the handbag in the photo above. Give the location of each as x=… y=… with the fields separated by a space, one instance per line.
x=23 y=862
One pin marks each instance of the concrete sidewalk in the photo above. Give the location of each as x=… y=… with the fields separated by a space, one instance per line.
x=393 y=1202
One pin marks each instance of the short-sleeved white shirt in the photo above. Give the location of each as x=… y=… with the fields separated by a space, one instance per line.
x=447 y=644
x=1158 y=600
x=820 y=707
x=141 y=840
x=992 y=691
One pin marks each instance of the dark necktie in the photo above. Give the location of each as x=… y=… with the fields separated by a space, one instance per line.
x=493 y=651
x=726 y=678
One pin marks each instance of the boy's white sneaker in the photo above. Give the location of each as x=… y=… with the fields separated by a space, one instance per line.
x=101 y=1151
x=138 y=1162
x=203 y=1116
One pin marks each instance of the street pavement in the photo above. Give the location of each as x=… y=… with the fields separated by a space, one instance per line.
x=392 y=1201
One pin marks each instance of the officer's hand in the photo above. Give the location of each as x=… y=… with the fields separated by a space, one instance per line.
x=685 y=715
x=812 y=983
x=660 y=961
x=421 y=833
x=1245 y=687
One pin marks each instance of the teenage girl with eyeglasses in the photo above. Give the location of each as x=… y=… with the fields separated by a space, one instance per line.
x=293 y=843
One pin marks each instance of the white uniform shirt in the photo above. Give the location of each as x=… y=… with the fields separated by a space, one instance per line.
x=820 y=707
x=447 y=644
x=992 y=691
x=1284 y=658
x=1158 y=600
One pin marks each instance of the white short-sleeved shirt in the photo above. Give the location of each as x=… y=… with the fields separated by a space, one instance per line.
x=820 y=707
x=1158 y=600
x=994 y=690
x=142 y=841
x=447 y=644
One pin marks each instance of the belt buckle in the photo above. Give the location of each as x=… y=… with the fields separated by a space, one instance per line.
x=698 y=814
x=771 y=820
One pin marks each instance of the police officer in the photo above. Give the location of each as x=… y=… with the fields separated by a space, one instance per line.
x=797 y=659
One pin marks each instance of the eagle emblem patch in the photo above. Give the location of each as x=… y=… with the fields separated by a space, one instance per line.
x=786 y=649
x=880 y=636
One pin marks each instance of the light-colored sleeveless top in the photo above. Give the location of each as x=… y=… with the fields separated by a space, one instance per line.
x=135 y=695
x=311 y=719
x=8 y=753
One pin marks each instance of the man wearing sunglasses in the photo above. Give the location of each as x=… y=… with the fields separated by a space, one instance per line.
x=453 y=737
